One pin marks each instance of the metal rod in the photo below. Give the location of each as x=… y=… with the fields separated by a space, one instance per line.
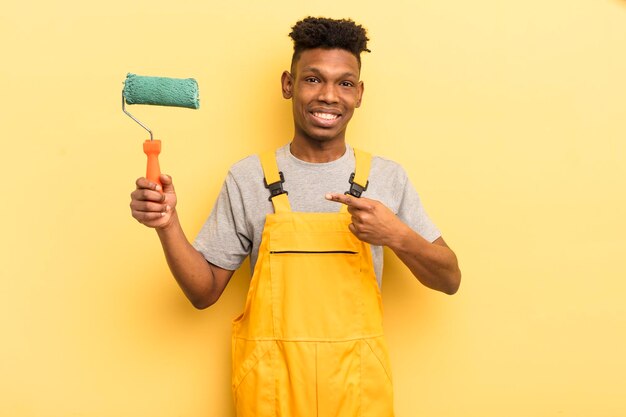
x=133 y=117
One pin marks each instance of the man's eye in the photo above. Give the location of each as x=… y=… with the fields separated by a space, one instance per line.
x=311 y=80
x=347 y=84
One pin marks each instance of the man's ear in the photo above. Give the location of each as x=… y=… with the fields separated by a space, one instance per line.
x=286 y=81
x=359 y=97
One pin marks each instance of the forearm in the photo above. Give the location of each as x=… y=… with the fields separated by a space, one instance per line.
x=434 y=265
x=192 y=272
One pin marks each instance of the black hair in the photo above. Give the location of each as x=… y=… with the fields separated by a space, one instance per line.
x=320 y=32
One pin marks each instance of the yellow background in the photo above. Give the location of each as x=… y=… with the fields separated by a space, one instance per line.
x=508 y=116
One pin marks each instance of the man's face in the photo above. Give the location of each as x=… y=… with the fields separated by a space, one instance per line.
x=325 y=89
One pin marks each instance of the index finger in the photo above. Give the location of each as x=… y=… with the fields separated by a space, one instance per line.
x=346 y=199
x=146 y=184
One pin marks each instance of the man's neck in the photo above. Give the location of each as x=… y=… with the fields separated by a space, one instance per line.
x=316 y=151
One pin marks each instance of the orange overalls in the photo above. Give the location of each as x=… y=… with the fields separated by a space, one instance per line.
x=309 y=342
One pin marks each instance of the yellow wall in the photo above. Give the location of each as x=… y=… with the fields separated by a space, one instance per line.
x=510 y=118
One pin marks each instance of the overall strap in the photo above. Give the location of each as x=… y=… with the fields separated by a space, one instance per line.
x=274 y=182
x=358 y=179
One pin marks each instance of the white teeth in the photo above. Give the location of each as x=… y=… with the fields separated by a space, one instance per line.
x=326 y=116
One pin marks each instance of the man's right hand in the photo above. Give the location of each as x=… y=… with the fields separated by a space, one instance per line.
x=151 y=206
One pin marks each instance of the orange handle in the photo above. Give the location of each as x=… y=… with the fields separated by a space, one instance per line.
x=152 y=148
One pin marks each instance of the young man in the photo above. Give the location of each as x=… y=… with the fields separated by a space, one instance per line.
x=309 y=341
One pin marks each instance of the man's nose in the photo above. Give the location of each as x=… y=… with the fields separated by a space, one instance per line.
x=328 y=93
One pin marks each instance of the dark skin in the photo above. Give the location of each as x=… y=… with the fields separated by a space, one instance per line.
x=433 y=264
x=325 y=89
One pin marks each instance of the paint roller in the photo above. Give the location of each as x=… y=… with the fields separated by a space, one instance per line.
x=158 y=91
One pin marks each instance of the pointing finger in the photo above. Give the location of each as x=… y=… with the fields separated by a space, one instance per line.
x=356 y=203
x=348 y=200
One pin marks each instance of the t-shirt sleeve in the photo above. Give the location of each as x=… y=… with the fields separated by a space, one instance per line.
x=224 y=239
x=411 y=211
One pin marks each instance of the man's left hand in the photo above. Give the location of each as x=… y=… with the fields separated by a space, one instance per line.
x=372 y=221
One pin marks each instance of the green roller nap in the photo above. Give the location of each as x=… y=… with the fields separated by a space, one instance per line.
x=161 y=91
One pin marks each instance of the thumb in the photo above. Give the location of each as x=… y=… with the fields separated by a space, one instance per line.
x=167 y=183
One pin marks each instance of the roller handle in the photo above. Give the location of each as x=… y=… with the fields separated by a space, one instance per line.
x=152 y=148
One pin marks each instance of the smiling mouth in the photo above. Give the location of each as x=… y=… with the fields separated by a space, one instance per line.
x=326 y=116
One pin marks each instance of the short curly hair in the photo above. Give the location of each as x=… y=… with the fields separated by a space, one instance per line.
x=320 y=32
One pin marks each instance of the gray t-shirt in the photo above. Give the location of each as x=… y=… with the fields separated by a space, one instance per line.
x=234 y=228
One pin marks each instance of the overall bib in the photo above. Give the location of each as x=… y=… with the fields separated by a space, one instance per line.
x=309 y=342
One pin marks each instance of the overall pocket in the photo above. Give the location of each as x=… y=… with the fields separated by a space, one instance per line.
x=376 y=385
x=253 y=380
x=316 y=283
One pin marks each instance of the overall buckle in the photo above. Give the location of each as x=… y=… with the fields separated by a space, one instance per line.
x=356 y=189
x=276 y=188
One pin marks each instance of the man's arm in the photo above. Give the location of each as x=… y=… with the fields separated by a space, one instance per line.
x=434 y=264
x=201 y=281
